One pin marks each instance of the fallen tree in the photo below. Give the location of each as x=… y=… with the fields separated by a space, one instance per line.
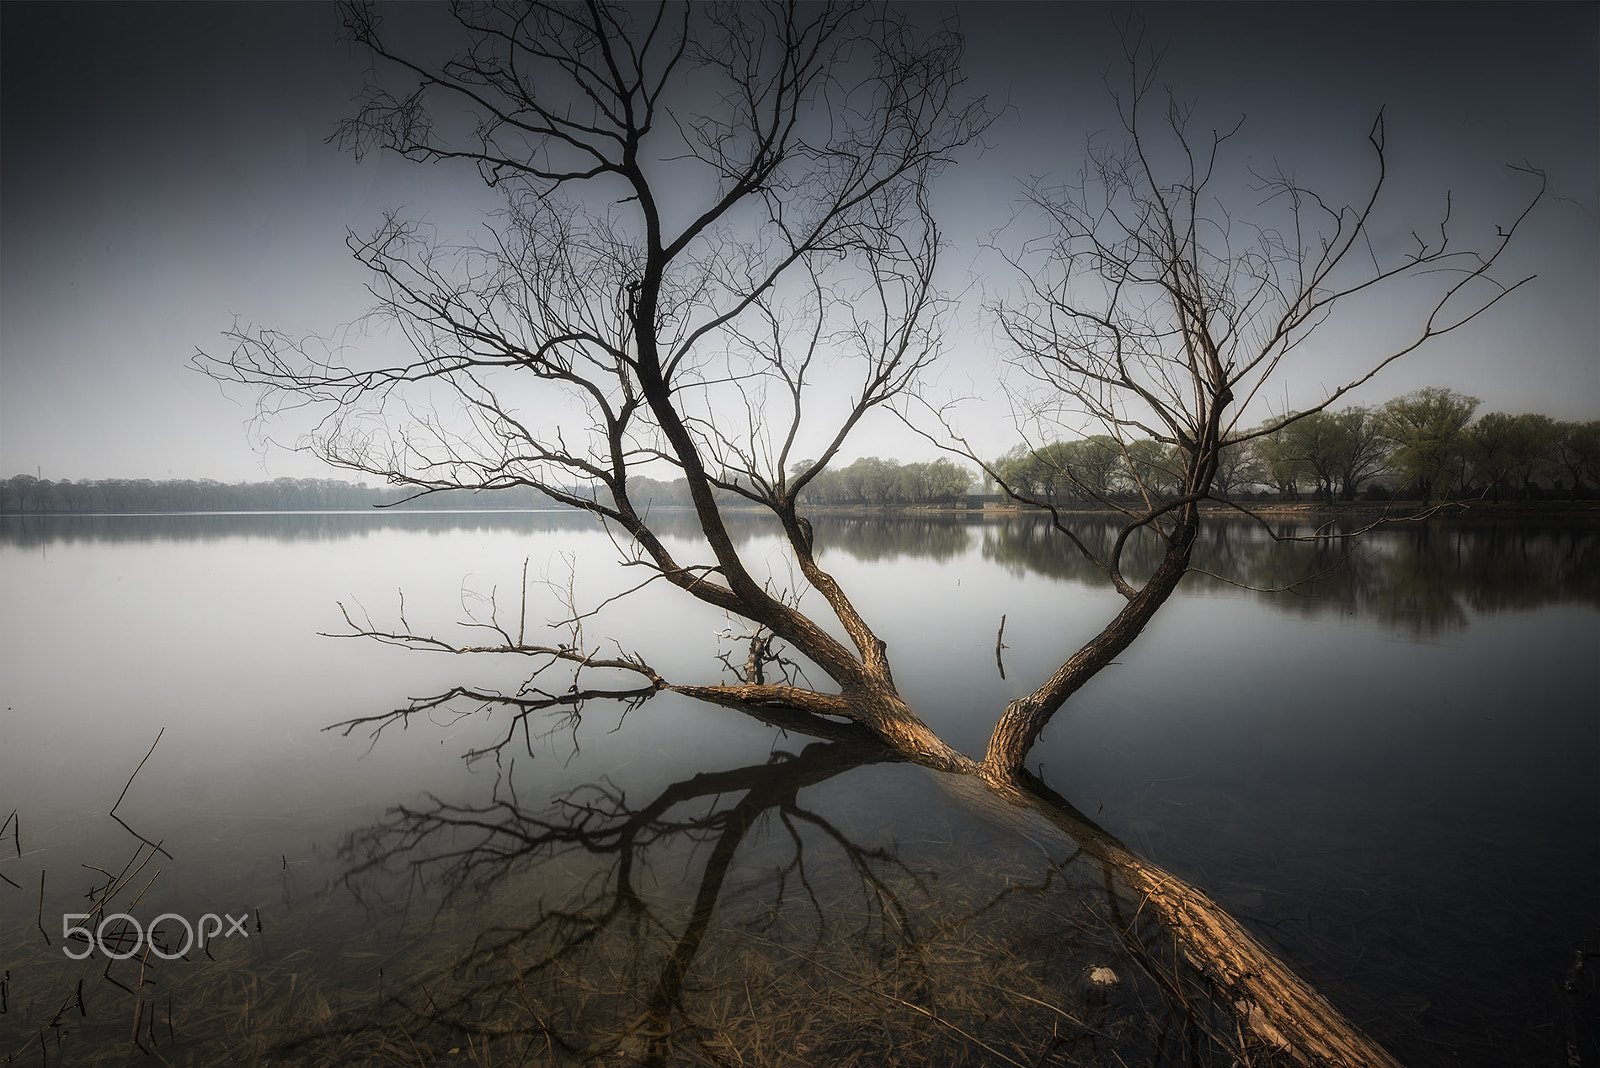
x=713 y=217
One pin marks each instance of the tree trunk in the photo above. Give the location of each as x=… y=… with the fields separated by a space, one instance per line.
x=1023 y=720
x=1269 y=1001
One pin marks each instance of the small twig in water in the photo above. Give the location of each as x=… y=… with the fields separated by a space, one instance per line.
x=999 y=644
x=39 y=916
x=16 y=835
x=135 y=774
x=113 y=813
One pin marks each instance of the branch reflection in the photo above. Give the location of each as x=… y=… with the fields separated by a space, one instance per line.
x=777 y=911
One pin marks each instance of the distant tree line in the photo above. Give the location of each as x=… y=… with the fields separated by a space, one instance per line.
x=869 y=481
x=27 y=494
x=1423 y=446
x=874 y=481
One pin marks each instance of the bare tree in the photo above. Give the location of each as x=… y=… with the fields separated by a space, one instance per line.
x=706 y=206
x=709 y=206
x=1150 y=310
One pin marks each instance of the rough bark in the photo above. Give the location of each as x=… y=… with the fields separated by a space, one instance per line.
x=1019 y=726
x=1271 y=1002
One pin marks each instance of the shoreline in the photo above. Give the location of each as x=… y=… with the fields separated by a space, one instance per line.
x=1585 y=512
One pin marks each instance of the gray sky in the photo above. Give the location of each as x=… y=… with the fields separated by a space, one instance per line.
x=165 y=171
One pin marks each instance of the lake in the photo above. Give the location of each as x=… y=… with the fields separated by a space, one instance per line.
x=1388 y=775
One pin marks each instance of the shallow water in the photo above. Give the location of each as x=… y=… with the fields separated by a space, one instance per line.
x=1390 y=777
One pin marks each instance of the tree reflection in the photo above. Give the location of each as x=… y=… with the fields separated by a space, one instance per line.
x=1423 y=580
x=761 y=913
x=1027 y=545
x=872 y=539
x=1431 y=580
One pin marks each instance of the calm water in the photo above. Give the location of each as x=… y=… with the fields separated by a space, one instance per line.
x=1391 y=778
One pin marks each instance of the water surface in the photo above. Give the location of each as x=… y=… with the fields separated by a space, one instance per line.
x=1389 y=775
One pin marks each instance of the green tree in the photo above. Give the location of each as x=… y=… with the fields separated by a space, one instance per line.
x=1319 y=443
x=1534 y=451
x=1365 y=452
x=1274 y=449
x=1427 y=428
x=1086 y=470
x=1054 y=471
x=1576 y=451
x=1238 y=468
x=870 y=480
x=1153 y=470
x=1339 y=450
x=945 y=480
x=1494 y=449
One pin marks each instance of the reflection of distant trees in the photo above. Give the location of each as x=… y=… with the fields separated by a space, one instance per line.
x=32 y=531
x=1029 y=545
x=1514 y=568
x=27 y=494
x=874 y=538
x=1429 y=578
x=1423 y=578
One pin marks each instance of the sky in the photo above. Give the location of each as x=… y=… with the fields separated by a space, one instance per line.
x=164 y=173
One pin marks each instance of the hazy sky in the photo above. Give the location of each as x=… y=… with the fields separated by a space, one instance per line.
x=165 y=171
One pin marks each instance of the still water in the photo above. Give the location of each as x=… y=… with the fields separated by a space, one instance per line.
x=1389 y=775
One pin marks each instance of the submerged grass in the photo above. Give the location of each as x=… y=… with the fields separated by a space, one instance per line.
x=917 y=957
x=996 y=967
x=709 y=931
